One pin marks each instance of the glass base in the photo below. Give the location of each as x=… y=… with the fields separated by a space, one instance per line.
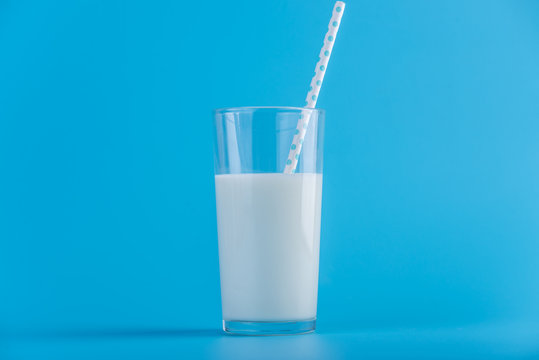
x=261 y=328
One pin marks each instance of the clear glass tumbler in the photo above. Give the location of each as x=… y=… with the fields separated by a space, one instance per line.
x=268 y=221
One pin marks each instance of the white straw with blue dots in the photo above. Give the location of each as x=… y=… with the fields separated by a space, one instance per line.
x=314 y=90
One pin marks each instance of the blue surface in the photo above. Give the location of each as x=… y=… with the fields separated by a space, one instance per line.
x=483 y=341
x=430 y=211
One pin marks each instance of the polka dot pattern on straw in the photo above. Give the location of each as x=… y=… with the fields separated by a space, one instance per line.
x=314 y=88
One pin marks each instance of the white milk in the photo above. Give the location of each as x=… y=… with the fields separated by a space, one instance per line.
x=269 y=240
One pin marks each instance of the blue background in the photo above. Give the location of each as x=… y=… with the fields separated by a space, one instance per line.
x=108 y=245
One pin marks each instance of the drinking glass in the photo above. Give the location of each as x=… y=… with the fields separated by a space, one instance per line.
x=268 y=221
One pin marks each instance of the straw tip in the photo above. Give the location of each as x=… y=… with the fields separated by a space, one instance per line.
x=339 y=7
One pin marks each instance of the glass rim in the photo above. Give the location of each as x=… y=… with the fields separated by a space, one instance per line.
x=251 y=108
